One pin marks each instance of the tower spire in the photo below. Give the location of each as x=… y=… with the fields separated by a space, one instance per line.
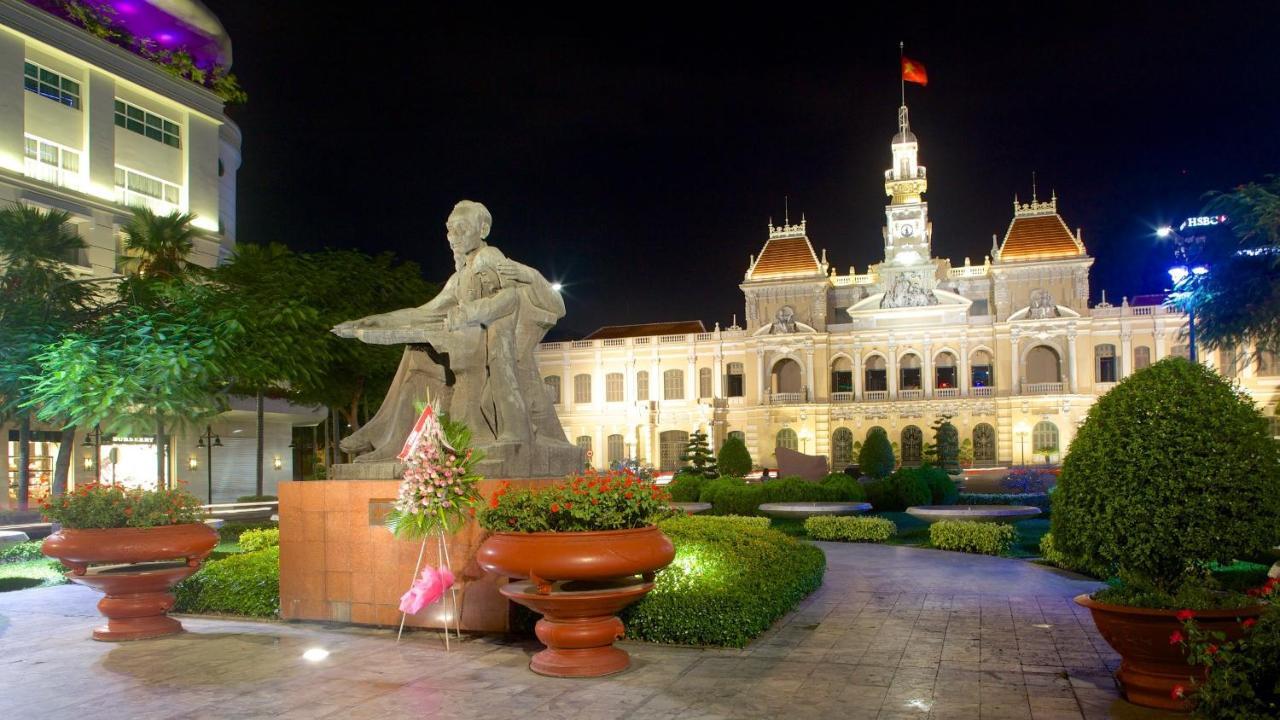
x=1033 y=186
x=902 y=79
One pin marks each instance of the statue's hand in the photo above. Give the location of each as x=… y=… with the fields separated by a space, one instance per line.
x=345 y=329
x=512 y=272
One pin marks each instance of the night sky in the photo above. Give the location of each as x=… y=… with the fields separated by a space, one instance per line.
x=637 y=154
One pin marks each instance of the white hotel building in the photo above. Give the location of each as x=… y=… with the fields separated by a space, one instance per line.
x=1009 y=348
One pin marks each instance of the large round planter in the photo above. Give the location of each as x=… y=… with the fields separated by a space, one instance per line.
x=578 y=581
x=1150 y=666
x=144 y=565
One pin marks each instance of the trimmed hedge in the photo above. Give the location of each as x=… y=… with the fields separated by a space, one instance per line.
x=733 y=496
x=942 y=489
x=850 y=529
x=1040 y=500
x=685 y=487
x=231 y=531
x=256 y=498
x=741 y=521
x=899 y=491
x=728 y=583
x=986 y=538
x=241 y=584
x=254 y=540
x=1050 y=553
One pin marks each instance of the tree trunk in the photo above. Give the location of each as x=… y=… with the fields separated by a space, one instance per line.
x=62 y=467
x=262 y=440
x=24 y=461
x=160 y=473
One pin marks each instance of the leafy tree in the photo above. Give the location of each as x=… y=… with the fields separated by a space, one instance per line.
x=701 y=461
x=876 y=458
x=734 y=458
x=1237 y=303
x=39 y=299
x=157 y=246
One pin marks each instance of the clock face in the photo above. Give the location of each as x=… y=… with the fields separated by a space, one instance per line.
x=907 y=230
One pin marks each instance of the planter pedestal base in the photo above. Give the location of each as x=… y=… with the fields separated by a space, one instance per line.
x=137 y=598
x=579 y=624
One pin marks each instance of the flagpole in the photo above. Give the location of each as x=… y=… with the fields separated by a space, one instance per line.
x=902 y=80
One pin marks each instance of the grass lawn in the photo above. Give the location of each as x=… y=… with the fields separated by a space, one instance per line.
x=915 y=532
x=30 y=574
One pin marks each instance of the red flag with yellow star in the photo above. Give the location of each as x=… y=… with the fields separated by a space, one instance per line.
x=913 y=72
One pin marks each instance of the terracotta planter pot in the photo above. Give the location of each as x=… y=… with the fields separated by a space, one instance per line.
x=1150 y=666
x=546 y=557
x=145 y=565
x=579 y=581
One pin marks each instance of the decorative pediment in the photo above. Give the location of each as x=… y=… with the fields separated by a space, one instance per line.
x=1045 y=313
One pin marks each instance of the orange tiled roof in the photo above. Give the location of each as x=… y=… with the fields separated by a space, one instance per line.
x=785 y=256
x=1039 y=237
x=679 y=327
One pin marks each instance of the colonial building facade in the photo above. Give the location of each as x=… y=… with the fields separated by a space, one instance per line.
x=1010 y=349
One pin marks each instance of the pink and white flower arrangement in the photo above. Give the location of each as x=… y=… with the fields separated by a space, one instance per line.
x=438 y=491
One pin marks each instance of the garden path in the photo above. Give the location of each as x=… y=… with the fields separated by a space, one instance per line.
x=895 y=632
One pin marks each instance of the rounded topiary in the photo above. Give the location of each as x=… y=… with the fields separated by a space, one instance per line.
x=1171 y=470
x=734 y=459
x=876 y=457
x=947 y=439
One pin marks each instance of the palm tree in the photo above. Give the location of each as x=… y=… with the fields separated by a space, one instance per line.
x=157 y=246
x=39 y=298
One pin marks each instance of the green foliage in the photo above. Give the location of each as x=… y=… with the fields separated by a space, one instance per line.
x=439 y=490
x=231 y=531
x=729 y=582
x=850 y=529
x=966 y=452
x=242 y=584
x=256 y=498
x=903 y=489
x=596 y=501
x=1172 y=469
x=685 y=487
x=1054 y=556
x=732 y=496
x=876 y=458
x=944 y=449
x=254 y=540
x=21 y=552
x=1040 y=500
x=734 y=459
x=698 y=456
x=987 y=538
x=740 y=521
x=42 y=572
x=942 y=490
x=113 y=506
x=1243 y=675
x=847 y=487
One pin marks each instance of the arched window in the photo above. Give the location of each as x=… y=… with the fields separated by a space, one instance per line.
x=841 y=449
x=874 y=428
x=980 y=367
x=613 y=387
x=553 y=387
x=842 y=375
x=875 y=377
x=1104 y=363
x=786 y=439
x=1044 y=438
x=734 y=380
x=671 y=446
x=944 y=371
x=787 y=377
x=704 y=383
x=673 y=385
x=616 y=449
x=738 y=434
x=909 y=372
x=584 y=444
x=1043 y=365
x=1141 y=357
x=642 y=385
x=984 y=444
x=912 y=445
x=582 y=388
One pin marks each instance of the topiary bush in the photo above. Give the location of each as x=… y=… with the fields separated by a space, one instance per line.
x=1172 y=469
x=254 y=540
x=942 y=489
x=742 y=521
x=876 y=458
x=1050 y=553
x=850 y=529
x=685 y=487
x=986 y=538
x=734 y=459
x=729 y=582
x=242 y=584
x=899 y=491
x=849 y=489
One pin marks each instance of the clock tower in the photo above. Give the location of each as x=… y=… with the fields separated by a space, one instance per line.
x=907 y=229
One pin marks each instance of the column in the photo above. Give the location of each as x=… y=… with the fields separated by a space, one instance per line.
x=962 y=370
x=13 y=103
x=858 y=372
x=566 y=385
x=1014 y=388
x=892 y=372
x=1159 y=349
x=926 y=371
x=656 y=391
x=597 y=383
x=717 y=376
x=691 y=379
x=629 y=382
x=763 y=385
x=1071 y=360
x=100 y=135
x=811 y=392
x=1125 y=360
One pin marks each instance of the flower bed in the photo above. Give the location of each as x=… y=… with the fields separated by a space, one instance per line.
x=590 y=502
x=729 y=582
x=973 y=537
x=850 y=529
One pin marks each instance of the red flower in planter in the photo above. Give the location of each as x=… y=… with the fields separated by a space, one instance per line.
x=555 y=507
x=1178 y=692
x=1249 y=622
x=1212 y=649
x=1185 y=615
x=1176 y=637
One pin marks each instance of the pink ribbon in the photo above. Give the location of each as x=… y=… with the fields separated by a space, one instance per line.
x=428 y=588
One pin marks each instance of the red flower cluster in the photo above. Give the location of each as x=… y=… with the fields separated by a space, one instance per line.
x=593 y=500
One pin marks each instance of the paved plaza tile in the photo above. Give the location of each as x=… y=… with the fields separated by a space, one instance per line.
x=894 y=632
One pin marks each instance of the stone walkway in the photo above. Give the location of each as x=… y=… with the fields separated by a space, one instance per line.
x=895 y=632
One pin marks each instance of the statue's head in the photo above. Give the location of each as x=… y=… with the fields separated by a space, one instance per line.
x=468 y=226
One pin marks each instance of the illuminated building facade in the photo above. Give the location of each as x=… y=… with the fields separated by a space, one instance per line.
x=1009 y=349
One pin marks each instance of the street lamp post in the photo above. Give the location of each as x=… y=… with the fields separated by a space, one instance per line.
x=1020 y=430
x=209 y=441
x=1179 y=274
x=94 y=440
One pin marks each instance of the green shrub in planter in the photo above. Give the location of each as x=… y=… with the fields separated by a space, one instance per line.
x=848 y=489
x=734 y=460
x=728 y=583
x=1172 y=469
x=685 y=487
x=242 y=584
x=986 y=538
x=899 y=491
x=254 y=540
x=876 y=458
x=850 y=529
